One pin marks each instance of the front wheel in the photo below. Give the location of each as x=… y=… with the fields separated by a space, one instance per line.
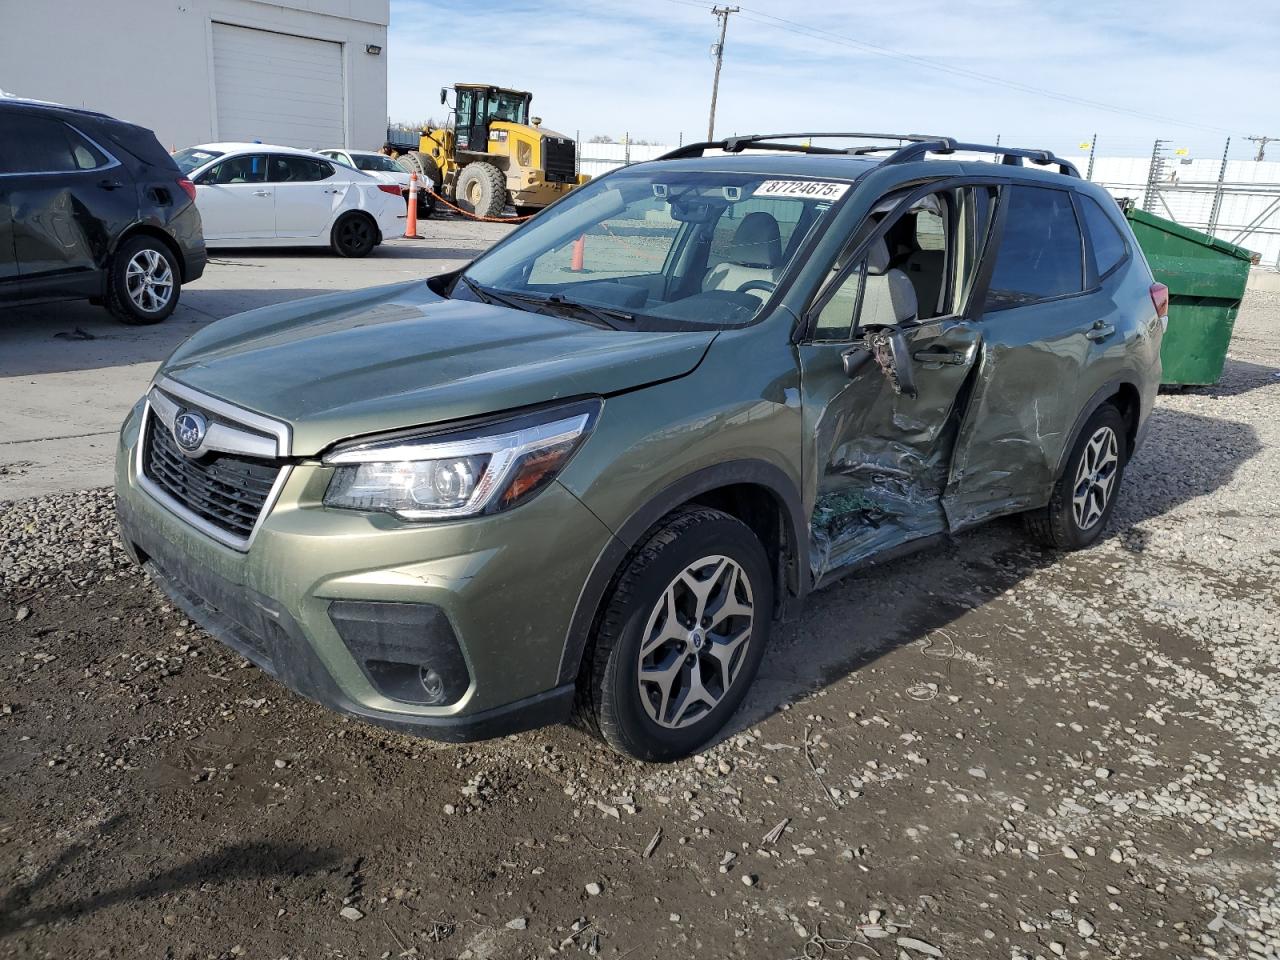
x=1085 y=494
x=354 y=235
x=682 y=635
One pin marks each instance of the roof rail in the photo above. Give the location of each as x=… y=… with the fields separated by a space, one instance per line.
x=765 y=141
x=1011 y=156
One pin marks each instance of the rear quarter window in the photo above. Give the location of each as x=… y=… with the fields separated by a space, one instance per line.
x=1109 y=246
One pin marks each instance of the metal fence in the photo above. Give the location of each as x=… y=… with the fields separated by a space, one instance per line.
x=1236 y=200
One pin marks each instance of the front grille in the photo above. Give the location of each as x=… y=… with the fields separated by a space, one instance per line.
x=227 y=491
x=559 y=160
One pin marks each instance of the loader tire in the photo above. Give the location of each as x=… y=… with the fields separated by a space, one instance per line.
x=482 y=189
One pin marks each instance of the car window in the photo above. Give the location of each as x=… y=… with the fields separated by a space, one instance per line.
x=287 y=169
x=786 y=213
x=1040 y=250
x=46 y=145
x=920 y=267
x=1109 y=247
x=246 y=168
x=190 y=158
x=640 y=241
x=633 y=242
x=376 y=161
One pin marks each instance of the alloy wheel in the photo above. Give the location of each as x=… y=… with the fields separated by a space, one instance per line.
x=354 y=233
x=148 y=278
x=1095 y=478
x=695 y=642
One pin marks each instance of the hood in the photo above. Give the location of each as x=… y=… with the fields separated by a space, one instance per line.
x=349 y=364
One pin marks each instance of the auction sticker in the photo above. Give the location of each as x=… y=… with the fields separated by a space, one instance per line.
x=803 y=189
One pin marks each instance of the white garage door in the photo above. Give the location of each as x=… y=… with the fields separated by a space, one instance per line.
x=278 y=88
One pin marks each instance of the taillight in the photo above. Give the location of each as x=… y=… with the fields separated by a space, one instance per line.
x=188 y=187
x=390 y=188
x=1160 y=297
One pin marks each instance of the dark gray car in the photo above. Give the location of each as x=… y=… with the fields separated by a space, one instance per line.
x=93 y=208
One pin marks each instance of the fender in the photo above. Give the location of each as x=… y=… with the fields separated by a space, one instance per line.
x=1100 y=396
x=758 y=472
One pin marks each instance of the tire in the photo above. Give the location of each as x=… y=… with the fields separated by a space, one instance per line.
x=354 y=235
x=636 y=717
x=143 y=282
x=482 y=189
x=1084 y=496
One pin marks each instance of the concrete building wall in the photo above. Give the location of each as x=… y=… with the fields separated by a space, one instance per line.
x=151 y=61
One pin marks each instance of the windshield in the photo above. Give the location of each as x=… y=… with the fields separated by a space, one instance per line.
x=660 y=248
x=192 y=157
x=375 y=161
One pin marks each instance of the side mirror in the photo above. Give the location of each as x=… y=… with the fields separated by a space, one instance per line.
x=889 y=347
x=444 y=94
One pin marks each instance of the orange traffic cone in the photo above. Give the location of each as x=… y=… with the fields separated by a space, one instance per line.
x=579 y=248
x=411 y=222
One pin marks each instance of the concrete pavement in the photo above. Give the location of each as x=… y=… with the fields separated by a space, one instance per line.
x=69 y=372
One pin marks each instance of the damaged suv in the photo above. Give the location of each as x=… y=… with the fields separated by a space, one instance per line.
x=586 y=472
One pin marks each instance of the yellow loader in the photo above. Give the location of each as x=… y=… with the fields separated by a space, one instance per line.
x=495 y=153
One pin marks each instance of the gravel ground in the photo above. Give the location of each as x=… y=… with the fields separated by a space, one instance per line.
x=984 y=751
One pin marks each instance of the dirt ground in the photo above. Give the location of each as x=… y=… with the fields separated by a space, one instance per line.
x=983 y=751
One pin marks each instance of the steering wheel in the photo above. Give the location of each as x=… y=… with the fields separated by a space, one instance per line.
x=766 y=285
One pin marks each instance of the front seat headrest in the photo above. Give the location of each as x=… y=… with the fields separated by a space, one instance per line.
x=878 y=257
x=756 y=242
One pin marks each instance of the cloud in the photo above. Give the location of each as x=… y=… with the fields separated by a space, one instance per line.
x=615 y=66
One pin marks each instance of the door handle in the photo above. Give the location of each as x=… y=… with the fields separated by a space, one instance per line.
x=262 y=193
x=110 y=184
x=1100 y=331
x=939 y=356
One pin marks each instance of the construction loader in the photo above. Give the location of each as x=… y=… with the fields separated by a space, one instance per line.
x=494 y=153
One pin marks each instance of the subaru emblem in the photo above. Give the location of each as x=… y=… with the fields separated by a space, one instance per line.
x=189 y=429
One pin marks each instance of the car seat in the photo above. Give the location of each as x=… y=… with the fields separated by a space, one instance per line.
x=755 y=253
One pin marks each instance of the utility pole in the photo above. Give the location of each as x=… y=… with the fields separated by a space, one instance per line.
x=1260 y=141
x=721 y=14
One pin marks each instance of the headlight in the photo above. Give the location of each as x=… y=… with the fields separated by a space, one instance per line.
x=443 y=476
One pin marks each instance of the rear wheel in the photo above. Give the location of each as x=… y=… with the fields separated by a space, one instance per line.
x=143 y=282
x=1085 y=494
x=482 y=189
x=354 y=235
x=682 y=634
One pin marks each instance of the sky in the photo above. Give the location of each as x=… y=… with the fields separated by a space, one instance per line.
x=1129 y=72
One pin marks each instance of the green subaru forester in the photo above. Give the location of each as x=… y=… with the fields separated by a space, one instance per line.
x=586 y=473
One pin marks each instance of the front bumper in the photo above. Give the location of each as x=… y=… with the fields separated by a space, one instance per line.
x=506 y=584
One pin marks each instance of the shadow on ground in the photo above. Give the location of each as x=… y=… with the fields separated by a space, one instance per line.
x=260 y=860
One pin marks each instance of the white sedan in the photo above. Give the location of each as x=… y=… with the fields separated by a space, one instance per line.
x=382 y=167
x=258 y=195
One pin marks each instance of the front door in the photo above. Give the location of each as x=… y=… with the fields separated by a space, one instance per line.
x=1041 y=341
x=889 y=351
x=235 y=201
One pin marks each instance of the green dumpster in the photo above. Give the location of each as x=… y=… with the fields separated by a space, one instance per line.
x=1206 y=278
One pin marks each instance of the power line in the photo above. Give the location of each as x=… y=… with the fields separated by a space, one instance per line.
x=722 y=14
x=792 y=26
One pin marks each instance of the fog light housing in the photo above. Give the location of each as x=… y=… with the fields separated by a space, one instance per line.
x=408 y=651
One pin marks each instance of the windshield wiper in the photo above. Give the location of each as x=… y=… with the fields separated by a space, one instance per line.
x=488 y=296
x=606 y=315
x=554 y=304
